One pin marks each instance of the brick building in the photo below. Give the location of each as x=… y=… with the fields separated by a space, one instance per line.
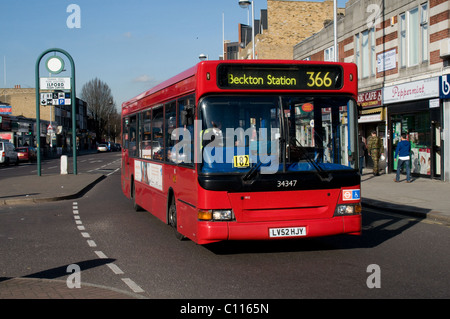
x=284 y=24
x=402 y=51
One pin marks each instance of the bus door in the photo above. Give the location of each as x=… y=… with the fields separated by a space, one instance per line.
x=124 y=165
x=129 y=150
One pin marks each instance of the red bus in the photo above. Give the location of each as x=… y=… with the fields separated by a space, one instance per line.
x=247 y=150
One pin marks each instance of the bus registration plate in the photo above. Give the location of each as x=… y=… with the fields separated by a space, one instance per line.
x=287 y=232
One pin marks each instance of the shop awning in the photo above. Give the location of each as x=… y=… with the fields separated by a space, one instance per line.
x=372 y=111
x=372 y=115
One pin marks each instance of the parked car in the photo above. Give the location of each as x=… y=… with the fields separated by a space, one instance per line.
x=102 y=148
x=8 y=153
x=26 y=153
x=112 y=146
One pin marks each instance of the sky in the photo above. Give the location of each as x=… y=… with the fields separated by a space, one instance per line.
x=130 y=45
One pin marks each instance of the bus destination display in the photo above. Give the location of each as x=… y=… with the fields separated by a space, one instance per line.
x=280 y=77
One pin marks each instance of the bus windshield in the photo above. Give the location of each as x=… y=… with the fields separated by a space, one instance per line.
x=272 y=133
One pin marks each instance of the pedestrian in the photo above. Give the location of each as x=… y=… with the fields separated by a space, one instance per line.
x=403 y=151
x=362 y=152
x=375 y=149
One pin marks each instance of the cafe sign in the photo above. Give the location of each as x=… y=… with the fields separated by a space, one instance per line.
x=370 y=99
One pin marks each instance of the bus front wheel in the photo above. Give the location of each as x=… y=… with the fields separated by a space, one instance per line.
x=173 y=219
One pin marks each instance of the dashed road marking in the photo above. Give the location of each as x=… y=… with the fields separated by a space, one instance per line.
x=91 y=243
x=100 y=254
x=133 y=286
x=114 y=268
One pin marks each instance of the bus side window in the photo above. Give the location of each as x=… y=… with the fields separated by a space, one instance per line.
x=125 y=133
x=185 y=154
x=171 y=122
x=145 y=134
x=157 y=133
x=132 y=136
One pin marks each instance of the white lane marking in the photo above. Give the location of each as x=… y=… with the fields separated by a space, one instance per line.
x=100 y=254
x=113 y=172
x=91 y=243
x=115 y=269
x=133 y=286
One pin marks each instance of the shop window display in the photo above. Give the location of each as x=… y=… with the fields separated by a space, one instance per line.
x=416 y=128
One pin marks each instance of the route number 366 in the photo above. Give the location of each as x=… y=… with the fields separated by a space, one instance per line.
x=316 y=79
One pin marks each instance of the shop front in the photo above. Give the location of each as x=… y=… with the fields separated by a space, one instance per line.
x=414 y=108
x=372 y=118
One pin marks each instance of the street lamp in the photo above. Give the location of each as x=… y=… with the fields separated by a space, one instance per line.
x=244 y=4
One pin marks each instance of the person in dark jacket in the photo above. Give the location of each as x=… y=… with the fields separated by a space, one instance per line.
x=403 y=151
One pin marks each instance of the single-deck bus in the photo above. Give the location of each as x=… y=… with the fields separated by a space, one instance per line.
x=247 y=150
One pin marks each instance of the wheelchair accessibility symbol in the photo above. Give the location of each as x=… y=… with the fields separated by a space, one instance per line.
x=351 y=194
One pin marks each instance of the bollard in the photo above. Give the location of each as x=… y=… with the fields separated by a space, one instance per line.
x=63 y=164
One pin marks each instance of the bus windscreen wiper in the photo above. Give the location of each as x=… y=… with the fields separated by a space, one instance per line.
x=323 y=175
x=251 y=173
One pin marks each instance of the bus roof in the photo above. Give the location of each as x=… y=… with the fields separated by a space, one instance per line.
x=212 y=65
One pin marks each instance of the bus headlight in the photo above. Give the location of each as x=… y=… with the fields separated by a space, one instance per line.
x=222 y=214
x=348 y=209
x=216 y=215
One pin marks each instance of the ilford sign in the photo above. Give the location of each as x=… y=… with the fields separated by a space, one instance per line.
x=54 y=83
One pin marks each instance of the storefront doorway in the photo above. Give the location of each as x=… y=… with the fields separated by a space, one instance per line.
x=422 y=132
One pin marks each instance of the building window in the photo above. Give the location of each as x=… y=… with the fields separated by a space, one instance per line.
x=329 y=54
x=357 y=52
x=424 y=31
x=365 y=54
x=365 y=60
x=403 y=48
x=373 y=64
x=414 y=36
x=413 y=39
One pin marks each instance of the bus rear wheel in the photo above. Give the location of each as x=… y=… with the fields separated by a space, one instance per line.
x=173 y=219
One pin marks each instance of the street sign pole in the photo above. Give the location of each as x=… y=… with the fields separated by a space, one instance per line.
x=59 y=66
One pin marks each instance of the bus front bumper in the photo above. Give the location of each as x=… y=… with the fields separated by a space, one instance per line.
x=209 y=232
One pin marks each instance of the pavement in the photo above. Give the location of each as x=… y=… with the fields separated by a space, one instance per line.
x=423 y=198
x=33 y=189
